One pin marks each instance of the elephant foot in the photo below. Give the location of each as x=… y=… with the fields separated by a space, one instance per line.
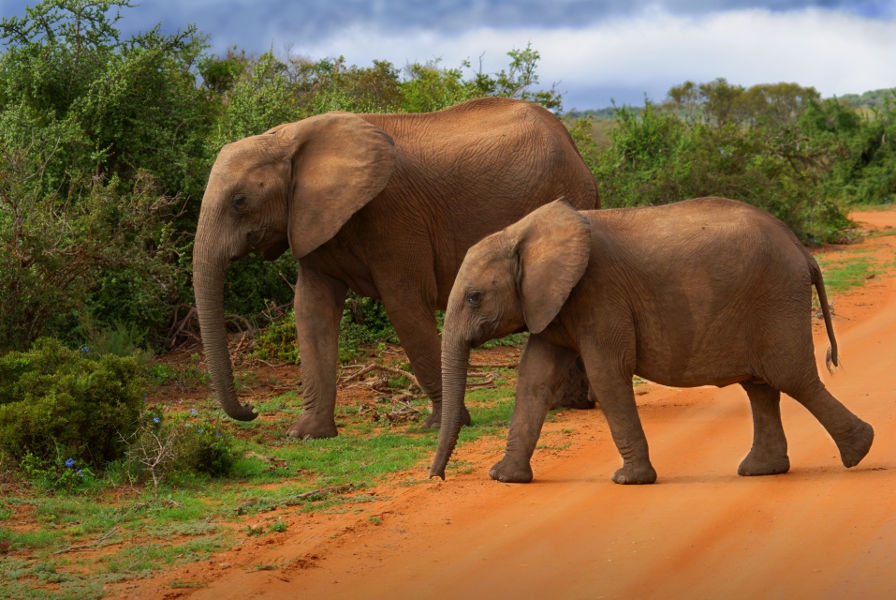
x=509 y=471
x=632 y=475
x=434 y=420
x=854 y=446
x=758 y=464
x=307 y=428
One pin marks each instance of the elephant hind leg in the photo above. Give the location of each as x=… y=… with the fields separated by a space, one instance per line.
x=575 y=391
x=415 y=324
x=852 y=435
x=768 y=456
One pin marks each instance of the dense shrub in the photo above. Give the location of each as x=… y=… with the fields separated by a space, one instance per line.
x=207 y=450
x=106 y=144
x=58 y=405
x=183 y=444
x=774 y=146
x=364 y=320
x=866 y=171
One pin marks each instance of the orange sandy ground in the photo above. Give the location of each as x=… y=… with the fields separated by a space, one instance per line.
x=820 y=531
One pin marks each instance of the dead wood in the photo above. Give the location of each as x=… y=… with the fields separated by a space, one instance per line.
x=105 y=536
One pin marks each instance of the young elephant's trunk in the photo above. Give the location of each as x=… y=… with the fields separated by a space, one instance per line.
x=208 y=284
x=455 y=356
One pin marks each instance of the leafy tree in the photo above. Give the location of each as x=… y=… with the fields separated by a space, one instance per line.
x=99 y=138
x=659 y=156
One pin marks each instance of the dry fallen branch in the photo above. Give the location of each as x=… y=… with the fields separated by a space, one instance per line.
x=335 y=489
x=372 y=366
x=105 y=536
x=487 y=382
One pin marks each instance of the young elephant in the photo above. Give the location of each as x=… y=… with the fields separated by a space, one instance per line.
x=703 y=292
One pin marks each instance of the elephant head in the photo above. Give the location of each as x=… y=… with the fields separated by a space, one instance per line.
x=517 y=278
x=292 y=187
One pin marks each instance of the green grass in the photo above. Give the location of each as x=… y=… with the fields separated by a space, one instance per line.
x=189 y=519
x=844 y=271
x=870 y=207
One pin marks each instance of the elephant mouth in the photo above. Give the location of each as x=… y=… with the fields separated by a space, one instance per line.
x=267 y=243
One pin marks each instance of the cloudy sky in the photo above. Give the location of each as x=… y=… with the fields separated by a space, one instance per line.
x=594 y=50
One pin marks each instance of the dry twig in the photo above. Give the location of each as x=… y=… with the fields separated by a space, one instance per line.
x=372 y=366
x=105 y=536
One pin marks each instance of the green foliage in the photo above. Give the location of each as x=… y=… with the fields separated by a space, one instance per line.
x=190 y=445
x=59 y=254
x=58 y=474
x=866 y=172
x=206 y=449
x=278 y=526
x=721 y=140
x=98 y=136
x=776 y=146
x=106 y=144
x=278 y=340
x=59 y=407
x=364 y=321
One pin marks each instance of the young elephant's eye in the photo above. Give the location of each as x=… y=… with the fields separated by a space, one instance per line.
x=238 y=201
x=473 y=298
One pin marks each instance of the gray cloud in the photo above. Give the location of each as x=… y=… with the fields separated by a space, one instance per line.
x=256 y=24
x=595 y=49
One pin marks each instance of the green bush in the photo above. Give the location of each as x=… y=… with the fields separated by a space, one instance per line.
x=206 y=449
x=278 y=340
x=657 y=156
x=191 y=444
x=58 y=405
x=364 y=321
x=58 y=474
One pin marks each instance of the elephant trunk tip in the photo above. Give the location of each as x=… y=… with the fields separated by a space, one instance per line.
x=437 y=472
x=242 y=412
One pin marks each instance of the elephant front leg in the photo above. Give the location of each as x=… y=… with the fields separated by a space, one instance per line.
x=613 y=386
x=768 y=456
x=541 y=371
x=319 y=302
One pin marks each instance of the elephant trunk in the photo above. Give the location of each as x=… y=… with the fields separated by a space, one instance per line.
x=208 y=284
x=455 y=356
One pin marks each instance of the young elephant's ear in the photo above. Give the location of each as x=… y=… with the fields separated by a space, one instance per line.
x=340 y=162
x=553 y=245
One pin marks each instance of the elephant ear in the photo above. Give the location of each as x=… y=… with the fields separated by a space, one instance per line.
x=553 y=244
x=340 y=162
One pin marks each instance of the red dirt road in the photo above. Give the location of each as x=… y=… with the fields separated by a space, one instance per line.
x=820 y=531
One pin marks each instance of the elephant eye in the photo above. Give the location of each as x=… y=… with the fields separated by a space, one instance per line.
x=238 y=201
x=473 y=298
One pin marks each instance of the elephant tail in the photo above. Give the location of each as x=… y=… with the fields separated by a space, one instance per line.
x=831 y=360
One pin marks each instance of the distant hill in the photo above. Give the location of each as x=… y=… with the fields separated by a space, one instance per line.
x=869 y=100
x=600 y=114
x=873 y=99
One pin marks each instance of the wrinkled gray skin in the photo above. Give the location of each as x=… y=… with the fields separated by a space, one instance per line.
x=703 y=292
x=385 y=205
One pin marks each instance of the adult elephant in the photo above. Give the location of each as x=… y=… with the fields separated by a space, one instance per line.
x=386 y=205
